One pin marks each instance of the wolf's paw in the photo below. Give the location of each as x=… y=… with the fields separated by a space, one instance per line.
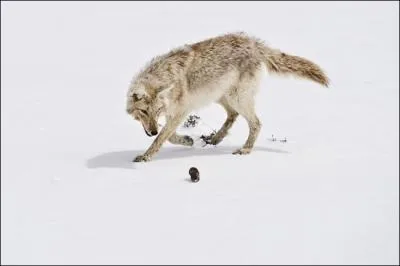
x=215 y=140
x=142 y=158
x=242 y=151
x=188 y=141
x=212 y=139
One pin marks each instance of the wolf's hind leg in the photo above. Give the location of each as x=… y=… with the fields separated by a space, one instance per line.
x=230 y=119
x=254 y=128
x=243 y=102
x=181 y=140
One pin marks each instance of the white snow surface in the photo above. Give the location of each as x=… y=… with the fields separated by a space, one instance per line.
x=70 y=193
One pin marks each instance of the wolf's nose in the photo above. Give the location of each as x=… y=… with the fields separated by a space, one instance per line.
x=154 y=132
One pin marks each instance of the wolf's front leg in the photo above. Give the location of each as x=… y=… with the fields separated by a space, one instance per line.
x=165 y=133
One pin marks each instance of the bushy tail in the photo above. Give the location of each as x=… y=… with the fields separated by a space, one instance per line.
x=281 y=63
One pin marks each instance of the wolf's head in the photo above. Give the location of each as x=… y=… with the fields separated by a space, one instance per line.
x=146 y=102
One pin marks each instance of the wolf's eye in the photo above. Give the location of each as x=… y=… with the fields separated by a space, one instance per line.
x=144 y=112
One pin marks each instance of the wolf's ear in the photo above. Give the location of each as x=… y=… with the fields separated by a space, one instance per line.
x=137 y=94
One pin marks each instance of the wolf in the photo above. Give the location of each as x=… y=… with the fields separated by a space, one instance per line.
x=225 y=69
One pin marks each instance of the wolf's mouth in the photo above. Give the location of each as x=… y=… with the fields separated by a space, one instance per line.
x=147 y=133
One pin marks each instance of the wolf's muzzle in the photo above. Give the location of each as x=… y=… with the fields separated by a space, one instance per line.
x=152 y=133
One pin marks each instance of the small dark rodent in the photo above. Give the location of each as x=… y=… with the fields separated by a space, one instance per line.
x=194 y=174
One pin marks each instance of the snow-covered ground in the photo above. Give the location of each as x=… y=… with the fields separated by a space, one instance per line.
x=70 y=193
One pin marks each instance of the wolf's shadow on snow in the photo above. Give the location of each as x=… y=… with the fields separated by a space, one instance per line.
x=123 y=159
